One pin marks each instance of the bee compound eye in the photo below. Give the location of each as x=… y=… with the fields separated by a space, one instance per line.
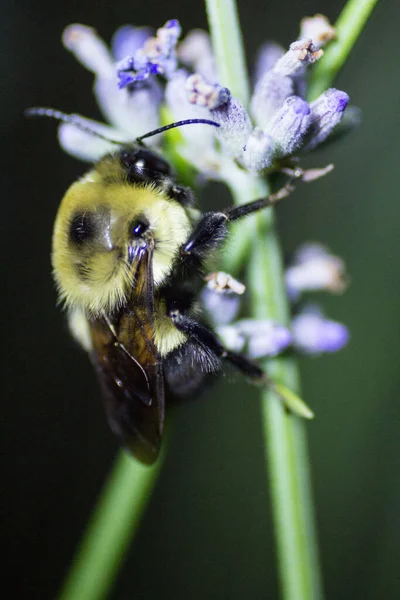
x=82 y=228
x=139 y=227
x=144 y=163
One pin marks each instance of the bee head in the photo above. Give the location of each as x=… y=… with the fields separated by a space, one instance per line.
x=103 y=225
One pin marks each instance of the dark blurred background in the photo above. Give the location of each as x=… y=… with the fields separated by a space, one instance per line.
x=207 y=532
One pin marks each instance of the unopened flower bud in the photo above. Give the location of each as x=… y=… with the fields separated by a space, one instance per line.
x=270 y=93
x=326 y=112
x=234 y=122
x=289 y=125
x=259 y=151
x=300 y=54
x=314 y=334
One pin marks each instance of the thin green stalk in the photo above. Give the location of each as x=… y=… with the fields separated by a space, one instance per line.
x=286 y=451
x=110 y=530
x=286 y=444
x=226 y=38
x=349 y=25
x=285 y=434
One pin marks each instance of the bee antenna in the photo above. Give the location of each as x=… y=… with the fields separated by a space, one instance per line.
x=75 y=120
x=176 y=124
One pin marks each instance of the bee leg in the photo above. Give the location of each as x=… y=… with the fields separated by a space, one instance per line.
x=207 y=340
x=208 y=235
x=211 y=230
x=238 y=212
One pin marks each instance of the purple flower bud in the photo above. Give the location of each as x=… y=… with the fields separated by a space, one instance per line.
x=257 y=338
x=313 y=334
x=269 y=95
x=300 y=54
x=315 y=269
x=289 y=125
x=127 y=40
x=234 y=122
x=267 y=57
x=259 y=151
x=326 y=112
x=318 y=28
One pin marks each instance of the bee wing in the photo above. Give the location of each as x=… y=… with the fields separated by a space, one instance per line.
x=130 y=369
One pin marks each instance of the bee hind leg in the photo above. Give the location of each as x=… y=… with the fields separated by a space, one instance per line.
x=209 y=342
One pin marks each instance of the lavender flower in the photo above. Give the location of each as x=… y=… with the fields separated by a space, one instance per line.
x=311 y=334
x=157 y=56
x=220 y=298
x=314 y=334
x=281 y=122
x=315 y=269
x=131 y=111
x=326 y=113
x=258 y=338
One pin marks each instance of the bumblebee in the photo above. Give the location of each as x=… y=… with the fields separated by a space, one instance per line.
x=129 y=248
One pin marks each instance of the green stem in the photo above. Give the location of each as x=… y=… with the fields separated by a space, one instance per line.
x=228 y=48
x=286 y=449
x=349 y=25
x=110 y=530
x=285 y=434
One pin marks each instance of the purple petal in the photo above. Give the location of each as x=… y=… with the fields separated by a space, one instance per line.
x=83 y=145
x=156 y=56
x=134 y=111
x=89 y=49
x=128 y=39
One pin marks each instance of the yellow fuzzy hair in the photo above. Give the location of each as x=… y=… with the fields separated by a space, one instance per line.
x=110 y=276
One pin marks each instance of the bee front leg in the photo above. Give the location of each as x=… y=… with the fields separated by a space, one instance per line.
x=211 y=230
x=209 y=234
